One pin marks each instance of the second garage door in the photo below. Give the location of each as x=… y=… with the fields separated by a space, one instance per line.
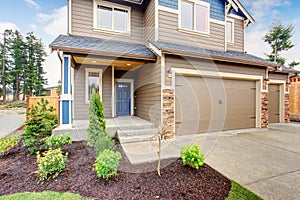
x=211 y=104
x=274 y=103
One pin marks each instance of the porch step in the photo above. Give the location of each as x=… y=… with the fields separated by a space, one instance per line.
x=140 y=135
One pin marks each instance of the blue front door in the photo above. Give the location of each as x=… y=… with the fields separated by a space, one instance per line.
x=123 y=98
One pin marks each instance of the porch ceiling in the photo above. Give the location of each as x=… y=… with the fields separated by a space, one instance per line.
x=119 y=64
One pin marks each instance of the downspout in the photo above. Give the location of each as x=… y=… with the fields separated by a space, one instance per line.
x=59 y=56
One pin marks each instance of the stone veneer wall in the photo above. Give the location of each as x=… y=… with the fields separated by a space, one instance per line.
x=168 y=112
x=264 y=110
x=286 y=108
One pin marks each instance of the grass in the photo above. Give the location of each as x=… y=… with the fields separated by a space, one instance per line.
x=46 y=195
x=241 y=193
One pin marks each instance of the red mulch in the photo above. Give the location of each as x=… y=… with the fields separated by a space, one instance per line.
x=177 y=181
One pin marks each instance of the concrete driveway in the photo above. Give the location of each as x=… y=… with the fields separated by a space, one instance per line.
x=10 y=120
x=266 y=161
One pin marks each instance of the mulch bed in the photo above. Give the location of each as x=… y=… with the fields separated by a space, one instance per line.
x=177 y=181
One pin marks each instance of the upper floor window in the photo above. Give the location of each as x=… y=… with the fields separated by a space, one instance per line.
x=195 y=16
x=230 y=31
x=112 y=18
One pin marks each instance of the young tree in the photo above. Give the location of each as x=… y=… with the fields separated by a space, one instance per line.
x=279 y=38
x=97 y=135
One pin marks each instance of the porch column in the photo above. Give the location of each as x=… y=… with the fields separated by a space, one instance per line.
x=66 y=107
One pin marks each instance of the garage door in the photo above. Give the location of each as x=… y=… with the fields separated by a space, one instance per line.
x=274 y=103
x=211 y=104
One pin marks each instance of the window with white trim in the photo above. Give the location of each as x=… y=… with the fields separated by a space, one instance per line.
x=111 y=17
x=92 y=82
x=195 y=16
x=230 y=31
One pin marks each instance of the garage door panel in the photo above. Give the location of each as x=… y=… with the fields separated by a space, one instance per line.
x=208 y=104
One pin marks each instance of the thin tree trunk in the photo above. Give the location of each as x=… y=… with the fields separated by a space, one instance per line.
x=3 y=72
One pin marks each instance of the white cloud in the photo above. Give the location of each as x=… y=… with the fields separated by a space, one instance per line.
x=262 y=8
x=7 y=25
x=52 y=67
x=32 y=4
x=55 y=22
x=32 y=27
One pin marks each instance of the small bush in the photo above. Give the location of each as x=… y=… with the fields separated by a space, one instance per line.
x=107 y=163
x=8 y=142
x=97 y=125
x=39 y=126
x=56 y=141
x=104 y=142
x=192 y=156
x=51 y=164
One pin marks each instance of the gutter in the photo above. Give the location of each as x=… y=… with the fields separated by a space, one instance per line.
x=105 y=53
x=218 y=58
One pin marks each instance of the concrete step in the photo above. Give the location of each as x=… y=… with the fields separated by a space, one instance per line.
x=129 y=136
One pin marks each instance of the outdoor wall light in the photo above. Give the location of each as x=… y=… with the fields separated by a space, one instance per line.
x=169 y=72
x=267 y=80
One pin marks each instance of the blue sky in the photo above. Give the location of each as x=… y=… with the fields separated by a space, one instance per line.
x=48 y=18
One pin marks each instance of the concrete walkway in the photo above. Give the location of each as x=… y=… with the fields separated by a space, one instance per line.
x=10 y=120
x=266 y=161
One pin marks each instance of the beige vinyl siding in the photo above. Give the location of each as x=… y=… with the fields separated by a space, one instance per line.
x=168 y=32
x=81 y=109
x=238 y=44
x=82 y=23
x=148 y=92
x=149 y=22
x=278 y=76
x=209 y=65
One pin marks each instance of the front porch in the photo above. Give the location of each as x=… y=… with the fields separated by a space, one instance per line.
x=114 y=126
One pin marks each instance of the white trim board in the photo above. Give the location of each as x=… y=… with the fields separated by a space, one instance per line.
x=131 y=81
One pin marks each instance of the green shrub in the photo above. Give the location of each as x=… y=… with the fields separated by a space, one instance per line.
x=107 y=163
x=39 y=126
x=51 y=164
x=8 y=142
x=104 y=142
x=56 y=141
x=97 y=125
x=192 y=156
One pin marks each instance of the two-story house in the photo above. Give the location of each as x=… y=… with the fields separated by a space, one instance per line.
x=179 y=62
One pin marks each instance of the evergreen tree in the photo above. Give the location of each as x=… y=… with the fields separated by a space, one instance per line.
x=97 y=123
x=97 y=136
x=279 y=38
x=6 y=62
x=19 y=63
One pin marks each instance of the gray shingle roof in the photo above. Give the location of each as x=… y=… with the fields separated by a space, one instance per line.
x=213 y=54
x=89 y=45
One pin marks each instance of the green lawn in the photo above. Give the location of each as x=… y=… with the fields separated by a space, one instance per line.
x=241 y=193
x=46 y=195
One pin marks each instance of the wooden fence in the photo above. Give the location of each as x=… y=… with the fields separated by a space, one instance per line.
x=53 y=101
x=295 y=98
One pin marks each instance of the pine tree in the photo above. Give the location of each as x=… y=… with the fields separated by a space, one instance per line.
x=278 y=38
x=97 y=135
x=6 y=62
x=19 y=62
